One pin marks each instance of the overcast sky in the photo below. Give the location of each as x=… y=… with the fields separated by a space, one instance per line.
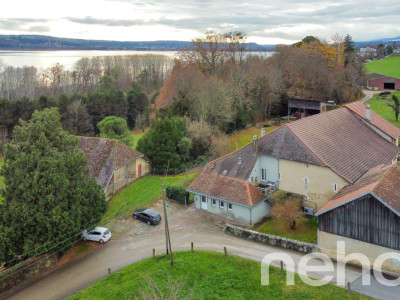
x=264 y=21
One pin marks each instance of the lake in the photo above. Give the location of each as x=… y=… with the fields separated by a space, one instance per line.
x=45 y=59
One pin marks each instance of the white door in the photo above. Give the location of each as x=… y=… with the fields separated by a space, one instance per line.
x=203 y=202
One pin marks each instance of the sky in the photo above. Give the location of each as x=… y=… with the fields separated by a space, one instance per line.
x=264 y=21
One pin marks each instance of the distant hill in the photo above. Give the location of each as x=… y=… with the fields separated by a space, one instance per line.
x=378 y=41
x=42 y=42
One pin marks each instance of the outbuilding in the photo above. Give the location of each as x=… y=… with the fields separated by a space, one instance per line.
x=382 y=82
x=365 y=216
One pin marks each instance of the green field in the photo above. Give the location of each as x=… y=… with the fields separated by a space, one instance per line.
x=379 y=104
x=245 y=136
x=306 y=229
x=389 y=66
x=141 y=193
x=204 y=275
x=137 y=134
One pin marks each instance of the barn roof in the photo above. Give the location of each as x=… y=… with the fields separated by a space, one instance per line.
x=383 y=183
x=106 y=155
x=376 y=120
x=374 y=76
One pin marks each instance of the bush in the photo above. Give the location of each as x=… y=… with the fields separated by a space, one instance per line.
x=177 y=193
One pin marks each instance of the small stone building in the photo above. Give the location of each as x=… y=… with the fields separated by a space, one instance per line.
x=113 y=164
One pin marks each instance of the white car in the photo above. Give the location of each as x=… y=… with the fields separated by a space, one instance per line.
x=99 y=234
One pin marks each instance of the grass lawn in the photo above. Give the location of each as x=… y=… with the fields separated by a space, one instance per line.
x=306 y=229
x=379 y=105
x=245 y=136
x=137 y=134
x=389 y=66
x=204 y=275
x=141 y=193
x=1 y=178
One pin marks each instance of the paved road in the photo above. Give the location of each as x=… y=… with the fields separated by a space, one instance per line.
x=376 y=290
x=79 y=273
x=368 y=95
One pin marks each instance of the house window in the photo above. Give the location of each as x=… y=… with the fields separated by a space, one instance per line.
x=306 y=180
x=214 y=202
x=263 y=175
x=335 y=187
x=229 y=206
x=221 y=204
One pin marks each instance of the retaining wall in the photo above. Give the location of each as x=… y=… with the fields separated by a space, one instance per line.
x=270 y=239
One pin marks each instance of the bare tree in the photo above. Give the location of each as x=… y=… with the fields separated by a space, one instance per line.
x=288 y=209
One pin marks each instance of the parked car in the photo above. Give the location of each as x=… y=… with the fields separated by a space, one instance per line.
x=148 y=216
x=99 y=234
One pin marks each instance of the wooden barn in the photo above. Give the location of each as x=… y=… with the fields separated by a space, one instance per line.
x=382 y=82
x=366 y=216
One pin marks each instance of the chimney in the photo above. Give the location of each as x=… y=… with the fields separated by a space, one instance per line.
x=262 y=131
x=368 y=113
x=255 y=144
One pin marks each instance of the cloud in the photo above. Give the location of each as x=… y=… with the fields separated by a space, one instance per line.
x=261 y=19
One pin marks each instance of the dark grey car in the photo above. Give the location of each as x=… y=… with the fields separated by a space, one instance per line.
x=148 y=216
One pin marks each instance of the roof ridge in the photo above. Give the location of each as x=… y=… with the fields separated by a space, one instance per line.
x=309 y=149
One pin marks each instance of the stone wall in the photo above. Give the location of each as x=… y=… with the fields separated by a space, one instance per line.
x=32 y=268
x=272 y=240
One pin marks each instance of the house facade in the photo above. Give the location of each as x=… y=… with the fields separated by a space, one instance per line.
x=113 y=164
x=315 y=157
x=366 y=217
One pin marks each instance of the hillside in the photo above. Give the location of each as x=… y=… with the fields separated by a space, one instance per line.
x=389 y=66
x=41 y=42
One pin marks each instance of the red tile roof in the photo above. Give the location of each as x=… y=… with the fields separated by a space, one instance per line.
x=383 y=182
x=227 y=188
x=376 y=120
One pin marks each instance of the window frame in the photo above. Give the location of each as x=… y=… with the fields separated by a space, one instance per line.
x=231 y=206
x=213 y=202
x=221 y=204
x=264 y=175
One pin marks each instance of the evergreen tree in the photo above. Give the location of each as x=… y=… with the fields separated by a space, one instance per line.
x=349 y=49
x=48 y=198
x=166 y=144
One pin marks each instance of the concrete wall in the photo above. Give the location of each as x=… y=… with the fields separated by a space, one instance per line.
x=270 y=239
x=239 y=213
x=259 y=211
x=125 y=175
x=327 y=244
x=271 y=164
x=321 y=180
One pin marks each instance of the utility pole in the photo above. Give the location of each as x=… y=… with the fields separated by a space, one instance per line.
x=167 y=237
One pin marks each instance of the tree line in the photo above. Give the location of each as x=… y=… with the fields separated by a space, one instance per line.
x=147 y=71
x=80 y=113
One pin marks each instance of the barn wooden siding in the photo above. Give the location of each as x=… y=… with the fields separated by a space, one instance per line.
x=366 y=220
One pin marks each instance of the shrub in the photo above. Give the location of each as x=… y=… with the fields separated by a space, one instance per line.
x=177 y=193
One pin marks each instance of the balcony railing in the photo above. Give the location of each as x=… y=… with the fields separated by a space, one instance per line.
x=268 y=187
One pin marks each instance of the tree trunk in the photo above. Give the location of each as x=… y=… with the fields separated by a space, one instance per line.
x=293 y=225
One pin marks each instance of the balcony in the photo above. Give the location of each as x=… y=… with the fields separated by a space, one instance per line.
x=268 y=187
